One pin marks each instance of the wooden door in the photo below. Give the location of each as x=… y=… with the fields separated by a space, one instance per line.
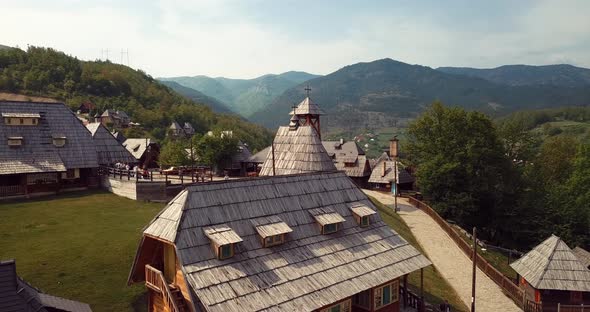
x=169 y=263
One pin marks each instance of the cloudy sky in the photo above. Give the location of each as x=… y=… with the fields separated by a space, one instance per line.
x=249 y=38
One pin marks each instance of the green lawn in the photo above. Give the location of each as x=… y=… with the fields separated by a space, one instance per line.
x=79 y=246
x=436 y=288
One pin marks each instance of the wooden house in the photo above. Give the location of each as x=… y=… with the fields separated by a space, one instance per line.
x=115 y=118
x=303 y=242
x=239 y=162
x=46 y=149
x=146 y=151
x=16 y=295
x=109 y=150
x=175 y=129
x=384 y=174
x=551 y=275
x=188 y=129
x=349 y=157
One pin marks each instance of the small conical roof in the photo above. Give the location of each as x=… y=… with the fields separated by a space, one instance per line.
x=552 y=265
x=175 y=126
x=307 y=107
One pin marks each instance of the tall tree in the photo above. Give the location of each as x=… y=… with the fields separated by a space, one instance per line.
x=462 y=167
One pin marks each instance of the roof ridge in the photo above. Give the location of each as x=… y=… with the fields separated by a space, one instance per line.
x=550 y=257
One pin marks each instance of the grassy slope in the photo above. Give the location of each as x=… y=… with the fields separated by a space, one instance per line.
x=79 y=246
x=436 y=288
x=578 y=130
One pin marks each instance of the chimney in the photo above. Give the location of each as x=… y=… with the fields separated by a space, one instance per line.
x=393 y=147
x=384 y=168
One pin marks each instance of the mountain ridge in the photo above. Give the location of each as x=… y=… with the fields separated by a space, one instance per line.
x=381 y=92
x=523 y=75
x=243 y=96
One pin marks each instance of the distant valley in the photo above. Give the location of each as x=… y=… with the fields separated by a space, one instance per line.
x=243 y=96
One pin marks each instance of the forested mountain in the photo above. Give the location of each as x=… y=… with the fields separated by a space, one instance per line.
x=214 y=104
x=376 y=94
x=523 y=75
x=47 y=72
x=244 y=96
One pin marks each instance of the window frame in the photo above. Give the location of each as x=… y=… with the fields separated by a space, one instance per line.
x=362 y=299
x=274 y=240
x=55 y=140
x=336 y=226
x=220 y=254
x=14 y=142
x=378 y=297
x=362 y=221
x=343 y=306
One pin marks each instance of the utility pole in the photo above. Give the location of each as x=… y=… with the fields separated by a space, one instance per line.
x=394 y=151
x=474 y=260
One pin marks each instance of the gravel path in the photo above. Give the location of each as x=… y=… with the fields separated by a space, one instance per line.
x=449 y=260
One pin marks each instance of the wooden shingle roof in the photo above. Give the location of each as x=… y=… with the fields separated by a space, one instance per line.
x=307 y=107
x=306 y=272
x=377 y=175
x=37 y=153
x=16 y=295
x=137 y=146
x=348 y=156
x=583 y=255
x=552 y=265
x=109 y=150
x=361 y=210
x=297 y=151
x=271 y=225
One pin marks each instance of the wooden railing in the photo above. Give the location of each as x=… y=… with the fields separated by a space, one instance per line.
x=182 y=177
x=10 y=190
x=573 y=308
x=410 y=299
x=155 y=280
x=506 y=284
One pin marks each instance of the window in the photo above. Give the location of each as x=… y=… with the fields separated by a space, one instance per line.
x=226 y=251
x=386 y=294
x=330 y=228
x=343 y=306
x=22 y=121
x=8 y=120
x=34 y=121
x=364 y=221
x=15 y=141
x=362 y=299
x=273 y=240
x=59 y=142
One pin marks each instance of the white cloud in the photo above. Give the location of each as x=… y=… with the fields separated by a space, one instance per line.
x=220 y=38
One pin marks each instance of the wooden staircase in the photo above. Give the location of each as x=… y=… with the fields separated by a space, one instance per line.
x=173 y=299
x=178 y=298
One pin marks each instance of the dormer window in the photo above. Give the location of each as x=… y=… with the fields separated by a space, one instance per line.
x=328 y=219
x=59 y=141
x=222 y=239
x=362 y=213
x=15 y=141
x=21 y=119
x=272 y=230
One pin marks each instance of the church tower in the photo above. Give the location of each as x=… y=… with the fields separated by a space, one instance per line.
x=308 y=113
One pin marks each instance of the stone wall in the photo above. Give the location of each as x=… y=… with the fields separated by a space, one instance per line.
x=142 y=190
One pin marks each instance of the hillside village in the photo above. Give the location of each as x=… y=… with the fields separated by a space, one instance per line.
x=281 y=156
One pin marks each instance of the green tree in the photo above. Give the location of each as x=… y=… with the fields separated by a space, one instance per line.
x=462 y=167
x=174 y=154
x=216 y=151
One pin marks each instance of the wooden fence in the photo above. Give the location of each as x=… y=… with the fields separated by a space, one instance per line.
x=506 y=284
x=11 y=190
x=155 y=280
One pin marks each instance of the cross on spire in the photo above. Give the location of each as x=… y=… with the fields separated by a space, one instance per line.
x=294 y=107
x=307 y=89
